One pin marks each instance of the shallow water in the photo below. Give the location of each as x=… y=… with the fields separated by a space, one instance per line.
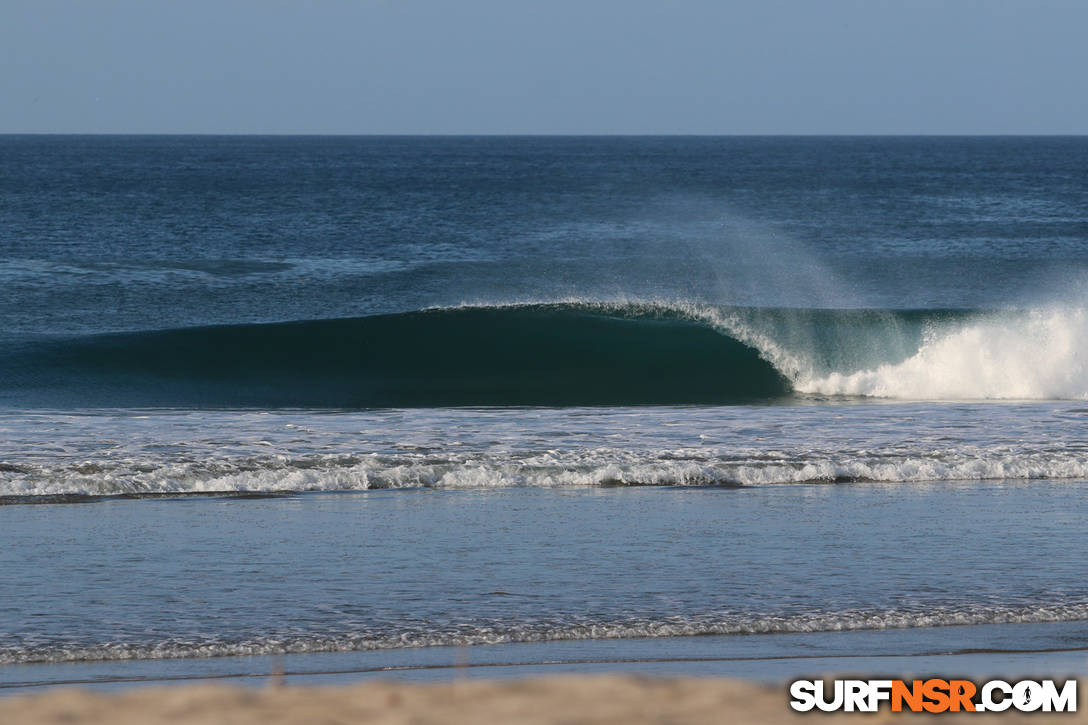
x=208 y=576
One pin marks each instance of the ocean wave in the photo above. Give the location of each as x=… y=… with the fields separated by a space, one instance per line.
x=492 y=632
x=525 y=355
x=565 y=354
x=549 y=469
x=1029 y=355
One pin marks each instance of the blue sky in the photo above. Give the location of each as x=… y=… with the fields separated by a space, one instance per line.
x=554 y=66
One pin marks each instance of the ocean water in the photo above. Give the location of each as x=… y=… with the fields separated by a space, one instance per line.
x=376 y=398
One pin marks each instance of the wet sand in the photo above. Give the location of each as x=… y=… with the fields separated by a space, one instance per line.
x=597 y=699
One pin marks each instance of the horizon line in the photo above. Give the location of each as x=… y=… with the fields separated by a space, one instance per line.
x=545 y=135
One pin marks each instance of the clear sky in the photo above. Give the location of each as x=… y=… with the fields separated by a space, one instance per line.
x=547 y=66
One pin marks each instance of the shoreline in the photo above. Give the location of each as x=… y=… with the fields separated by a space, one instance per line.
x=1025 y=649
x=540 y=700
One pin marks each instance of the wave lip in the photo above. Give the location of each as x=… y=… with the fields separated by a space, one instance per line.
x=565 y=354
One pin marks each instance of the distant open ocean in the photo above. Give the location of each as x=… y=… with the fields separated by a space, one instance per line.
x=598 y=401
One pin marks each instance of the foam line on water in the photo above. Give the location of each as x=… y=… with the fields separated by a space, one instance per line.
x=495 y=632
x=546 y=469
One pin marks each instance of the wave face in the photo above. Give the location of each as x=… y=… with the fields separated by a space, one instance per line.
x=560 y=354
x=520 y=355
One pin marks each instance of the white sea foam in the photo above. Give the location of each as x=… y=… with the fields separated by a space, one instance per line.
x=105 y=453
x=596 y=467
x=505 y=632
x=1037 y=355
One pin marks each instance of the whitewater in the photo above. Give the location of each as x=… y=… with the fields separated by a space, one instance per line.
x=567 y=353
x=780 y=365
x=1032 y=355
x=365 y=401
x=47 y=455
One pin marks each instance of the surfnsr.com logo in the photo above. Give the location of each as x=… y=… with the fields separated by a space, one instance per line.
x=933 y=695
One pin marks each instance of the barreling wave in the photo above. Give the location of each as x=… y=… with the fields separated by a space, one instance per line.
x=561 y=354
x=520 y=355
x=546 y=630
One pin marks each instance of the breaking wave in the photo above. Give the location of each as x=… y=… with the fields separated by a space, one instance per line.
x=506 y=632
x=601 y=467
x=560 y=354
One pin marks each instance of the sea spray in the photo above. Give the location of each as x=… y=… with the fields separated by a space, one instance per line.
x=1037 y=354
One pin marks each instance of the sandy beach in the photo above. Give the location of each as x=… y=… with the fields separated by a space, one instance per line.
x=600 y=699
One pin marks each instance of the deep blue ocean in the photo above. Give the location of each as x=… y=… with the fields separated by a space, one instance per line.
x=294 y=396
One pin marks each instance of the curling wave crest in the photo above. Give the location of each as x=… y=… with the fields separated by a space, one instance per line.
x=568 y=353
